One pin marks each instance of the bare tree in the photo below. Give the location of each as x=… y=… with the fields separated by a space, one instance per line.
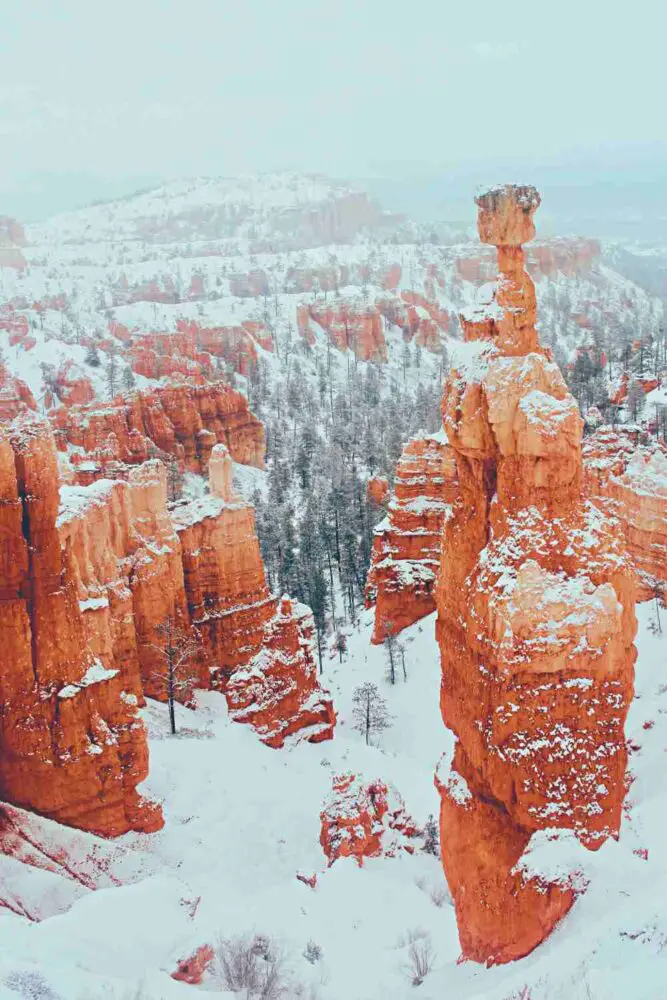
x=252 y=967
x=655 y=625
x=176 y=675
x=420 y=959
x=401 y=652
x=369 y=711
x=391 y=649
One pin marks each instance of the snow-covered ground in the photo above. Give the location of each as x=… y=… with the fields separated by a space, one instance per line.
x=242 y=820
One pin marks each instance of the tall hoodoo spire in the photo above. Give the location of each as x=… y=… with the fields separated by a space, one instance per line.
x=535 y=615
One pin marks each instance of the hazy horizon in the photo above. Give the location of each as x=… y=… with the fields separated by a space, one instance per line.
x=94 y=105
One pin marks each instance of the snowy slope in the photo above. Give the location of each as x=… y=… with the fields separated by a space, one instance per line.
x=242 y=820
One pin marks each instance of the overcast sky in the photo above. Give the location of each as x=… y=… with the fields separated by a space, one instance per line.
x=97 y=96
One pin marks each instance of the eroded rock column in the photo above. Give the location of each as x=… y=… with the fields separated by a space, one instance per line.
x=535 y=616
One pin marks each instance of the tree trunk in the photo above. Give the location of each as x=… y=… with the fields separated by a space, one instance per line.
x=170 y=699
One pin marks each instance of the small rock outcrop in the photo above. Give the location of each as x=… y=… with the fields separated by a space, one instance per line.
x=377 y=490
x=72 y=746
x=406 y=547
x=362 y=820
x=15 y=396
x=536 y=617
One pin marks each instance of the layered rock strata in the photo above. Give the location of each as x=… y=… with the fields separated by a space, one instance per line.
x=631 y=481
x=257 y=649
x=72 y=746
x=406 y=545
x=177 y=419
x=135 y=563
x=535 y=616
x=349 y=325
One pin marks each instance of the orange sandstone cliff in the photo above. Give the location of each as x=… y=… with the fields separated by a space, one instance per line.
x=406 y=546
x=177 y=418
x=349 y=324
x=136 y=561
x=631 y=482
x=535 y=617
x=72 y=746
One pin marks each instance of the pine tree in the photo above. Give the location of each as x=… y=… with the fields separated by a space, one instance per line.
x=431 y=837
x=340 y=645
x=129 y=381
x=369 y=711
x=175 y=479
x=92 y=357
x=111 y=375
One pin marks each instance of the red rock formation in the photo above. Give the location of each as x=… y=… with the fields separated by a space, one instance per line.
x=191 y=970
x=619 y=389
x=364 y=821
x=177 y=419
x=249 y=285
x=378 y=490
x=417 y=316
x=565 y=255
x=568 y=256
x=72 y=746
x=535 y=617
x=278 y=692
x=71 y=386
x=631 y=482
x=349 y=325
x=134 y=564
x=406 y=546
x=392 y=277
x=258 y=650
x=15 y=396
x=220 y=474
x=126 y=568
x=439 y=317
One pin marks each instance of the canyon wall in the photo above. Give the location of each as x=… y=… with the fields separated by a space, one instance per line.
x=177 y=418
x=72 y=746
x=406 y=545
x=90 y=573
x=536 y=621
x=631 y=482
x=137 y=562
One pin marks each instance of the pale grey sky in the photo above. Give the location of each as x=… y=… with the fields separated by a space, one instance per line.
x=103 y=94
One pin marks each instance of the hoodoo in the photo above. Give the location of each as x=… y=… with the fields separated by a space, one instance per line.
x=535 y=616
x=406 y=546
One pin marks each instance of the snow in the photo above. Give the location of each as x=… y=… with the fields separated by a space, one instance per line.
x=95 y=674
x=237 y=833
